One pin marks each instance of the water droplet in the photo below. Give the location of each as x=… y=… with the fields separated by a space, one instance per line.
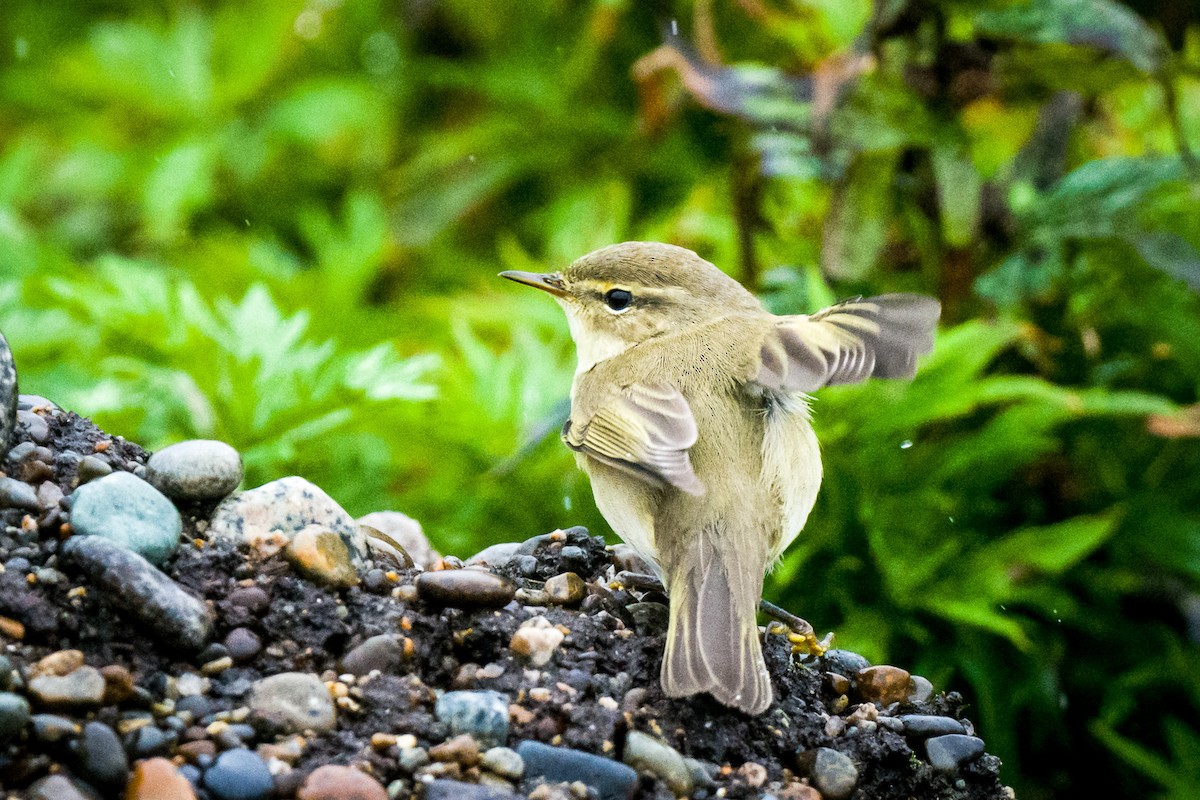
x=21 y=48
x=907 y=443
x=567 y=502
x=951 y=519
x=674 y=27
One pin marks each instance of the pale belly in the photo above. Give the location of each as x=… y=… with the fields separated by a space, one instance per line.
x=791 y=466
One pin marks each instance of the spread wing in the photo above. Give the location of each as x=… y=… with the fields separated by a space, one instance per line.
x=876 y=337
x=644 y=430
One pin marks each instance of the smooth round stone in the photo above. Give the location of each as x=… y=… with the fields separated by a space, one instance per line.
x=18 y=494
x=133 y=584
x=844 y=662
x=457 y=790
x=92 y=468
x=505 y=762
x=58 y=787
x=14 y=714
x=297 y=701
x=243 y=644
x=239 y=775
x=9 y=394
x=200 y=469
x=158 y=779
x=322 y=556
x=948 y=753
x=275 y=512
x=125 y=509
x=35 y=425
x=882 y=685
x=334 y=782
x=384 y=652
x=102 y=758
x=611 y=780
x=78 y=689
x=52 y=729
x=149 y=740
x=482 y=715
x=496 y=555
x=567 y=589
x=833 y=773
x=647 y=754
x=404 y=532
x=649 y=618
x=465 y=588
x=926 y=725
x=626 y=559
x=919 y=689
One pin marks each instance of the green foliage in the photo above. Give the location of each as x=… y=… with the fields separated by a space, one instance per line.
x=278 y=224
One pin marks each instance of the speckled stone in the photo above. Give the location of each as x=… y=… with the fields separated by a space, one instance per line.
x=882 y=685
x=125 y=509
x=465 y=588
x=833 y=773
x=270 y=515
x=649 y=755
x=404 y=531
x=8 y=394
x=322 y=556
x=199 y=469
x=483 y=715
x=948 y=753
x=158 y=779
x=611 y=780
x=134 y=585
x=335 y=782
x=297 y=701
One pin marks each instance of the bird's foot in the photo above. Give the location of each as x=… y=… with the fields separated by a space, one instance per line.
x=799 y=632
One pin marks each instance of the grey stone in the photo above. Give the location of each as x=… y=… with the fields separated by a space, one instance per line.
x=199 y=469
x=833 y=773
x=384 y=652
x=125 y=509
x=647 y=754
x=483 y=715
x=52 y=729
x=58 y=787
x=406 y=532
x=80 y=688
x=649 y=618
x=101 y=756
x=919 y=689
x=844 y=662
x=925 y=725
x=272 y=514
x=36 y=427
x=505 y=762
x=610 y=779
x=948 y=753
x=297 y=701
x=14 y=714
x=8 y=395
x=17 y=494
x=92 y=468
x=496 y=555
x=239 y=774
x=134 y=585
x=465 y=588
x=458 y=790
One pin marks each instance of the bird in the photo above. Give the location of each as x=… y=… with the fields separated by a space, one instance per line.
x=690 y=414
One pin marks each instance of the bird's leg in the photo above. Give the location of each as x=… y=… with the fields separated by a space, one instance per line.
x=799 y=631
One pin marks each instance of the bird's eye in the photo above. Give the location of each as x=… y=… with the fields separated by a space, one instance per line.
x=618 y=299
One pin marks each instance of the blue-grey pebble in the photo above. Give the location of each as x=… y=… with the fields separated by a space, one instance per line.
x=483 y=715
x=297 y=701
x=136 y=586
x=457 y=790
x=149 y=740
x=14 y=714
x=8 y=394
x=17 y=494
x=102 y=759
x=125 y=509
x=239 y=774
x=833 y=773
x=844 y=662
x=610 y=779
x=52 y=729
x=948 y=753
x=925 y=725
x=199 y=469
x=92 y=468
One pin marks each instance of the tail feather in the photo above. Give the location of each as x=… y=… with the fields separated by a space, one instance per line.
x=712 y=641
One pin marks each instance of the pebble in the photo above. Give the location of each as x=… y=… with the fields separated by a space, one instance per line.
x=385 y=550
x=58 y=787
x=14 y=714
x=60 y=662
x=8 y=394
x=567 y=589
x=882 y=685
x=51 y=728
x=649 y=618
x=462 y=750
x=948 y=753
x=919 y=689
x=610 y=779
x=102 y=758
x=335 y=782
x=239 y=774
x=17 y=494
x=465 y=588
x=200 y=469
x=270 y=515
x=297 y=701
x=133 y=584
x=925 y=725
x=384 y=652
x=78 y=689
x=243 y=644
x=36 y=427
x=125 y=509
x=118 y=684
x=496 y=555
x=457 y=790
x=844 y=662
x=405 y=532
x=536 y=640
x=505 y=762
x=833 y=773
x=322 y=556
x=647 y=754
x=158 y=779
x=92 y=468
x=481 y=714
x=626 y=559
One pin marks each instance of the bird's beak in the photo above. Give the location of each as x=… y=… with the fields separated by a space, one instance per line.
x=550 y=282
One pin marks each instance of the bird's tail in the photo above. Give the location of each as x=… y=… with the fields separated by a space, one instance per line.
x=712 y=641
